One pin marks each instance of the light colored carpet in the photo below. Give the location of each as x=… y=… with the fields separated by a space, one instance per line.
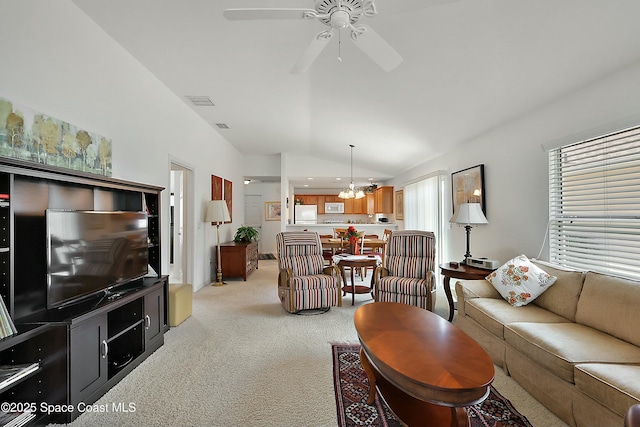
x=241 y=360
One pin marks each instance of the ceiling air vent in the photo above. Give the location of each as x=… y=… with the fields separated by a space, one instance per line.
x=222 y=125
x=201 y=101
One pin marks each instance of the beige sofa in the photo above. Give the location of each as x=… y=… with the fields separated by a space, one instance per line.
x=576 y=348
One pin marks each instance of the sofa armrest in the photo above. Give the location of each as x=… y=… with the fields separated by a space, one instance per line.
x=468 y=289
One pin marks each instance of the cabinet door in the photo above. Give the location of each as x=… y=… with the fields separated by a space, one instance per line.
x=321 y=201
x=371 y=203
x=311 y=200
x=348 y=206
x=252 y=257
x=360 y=206
x=384 y=200
x=153 y=310
x=88 y=362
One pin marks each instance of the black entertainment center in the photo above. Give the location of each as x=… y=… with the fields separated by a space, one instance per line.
x=74 y=251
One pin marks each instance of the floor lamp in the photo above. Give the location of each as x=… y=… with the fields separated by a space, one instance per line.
x=217 y=212
x=469 y=214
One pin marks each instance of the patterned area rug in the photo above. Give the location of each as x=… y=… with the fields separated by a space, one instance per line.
x=266 y=256
x=352 y=388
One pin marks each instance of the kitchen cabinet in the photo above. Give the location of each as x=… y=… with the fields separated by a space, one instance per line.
x=384 y=200
x=321 y=202
x=348 y=206
x=355 y=206
x=311 y=199
x=371 y=203
x=364 y=206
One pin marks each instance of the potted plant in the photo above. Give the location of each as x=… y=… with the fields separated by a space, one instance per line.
x=246 y=234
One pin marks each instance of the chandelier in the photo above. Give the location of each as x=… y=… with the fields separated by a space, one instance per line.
x=351 y=192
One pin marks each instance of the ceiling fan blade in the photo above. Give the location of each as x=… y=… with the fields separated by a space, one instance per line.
x=249 y=14
x=376 y=48
x=316 y=46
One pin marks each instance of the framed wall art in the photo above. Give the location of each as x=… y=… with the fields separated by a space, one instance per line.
x=216 y=188
x=400 y=204
x=228 y=197
x=467 y=186
x=32 y=136
x=272 y=211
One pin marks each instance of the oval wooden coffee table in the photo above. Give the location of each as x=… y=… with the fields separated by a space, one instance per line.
x=425 y=368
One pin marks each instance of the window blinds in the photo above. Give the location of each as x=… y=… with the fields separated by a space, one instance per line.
x=594 y=204
x=423 y=209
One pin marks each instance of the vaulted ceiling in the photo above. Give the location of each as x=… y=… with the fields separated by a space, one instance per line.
x=468 y=67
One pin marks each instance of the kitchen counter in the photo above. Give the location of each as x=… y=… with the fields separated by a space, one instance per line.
x=377 y=228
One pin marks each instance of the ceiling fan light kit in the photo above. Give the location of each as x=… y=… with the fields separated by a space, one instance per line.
x=336 y=14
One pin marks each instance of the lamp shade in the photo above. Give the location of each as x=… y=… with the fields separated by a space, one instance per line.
x=469 y=213
x=217 y=211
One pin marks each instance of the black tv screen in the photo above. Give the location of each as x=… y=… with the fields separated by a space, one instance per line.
x=90 y=252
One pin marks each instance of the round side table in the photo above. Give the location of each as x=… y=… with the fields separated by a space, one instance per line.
x=462 y=271
x=354 y=262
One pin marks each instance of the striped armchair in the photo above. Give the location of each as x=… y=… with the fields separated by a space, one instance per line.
x=304 y=283
x=408 y=274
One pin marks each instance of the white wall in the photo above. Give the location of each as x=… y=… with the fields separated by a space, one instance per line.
x=262 y=165
x=516 y=166
x=58 y=62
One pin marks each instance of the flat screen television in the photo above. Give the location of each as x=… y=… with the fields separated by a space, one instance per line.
x=91 y=252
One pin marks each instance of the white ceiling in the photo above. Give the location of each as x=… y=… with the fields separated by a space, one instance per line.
x=469 y=66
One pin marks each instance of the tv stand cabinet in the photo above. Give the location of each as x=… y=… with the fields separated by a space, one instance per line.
x=108 y=342
x=84 y=349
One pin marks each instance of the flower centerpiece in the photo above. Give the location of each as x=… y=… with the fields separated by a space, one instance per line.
x=353 y=235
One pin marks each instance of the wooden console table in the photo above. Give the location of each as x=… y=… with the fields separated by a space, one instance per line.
x=239 y=259
x=462 y=271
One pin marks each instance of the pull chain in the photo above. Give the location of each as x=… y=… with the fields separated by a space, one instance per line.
x=340 y=45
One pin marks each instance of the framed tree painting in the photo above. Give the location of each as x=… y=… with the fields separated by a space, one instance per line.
x=467 y=186
x=228 y=197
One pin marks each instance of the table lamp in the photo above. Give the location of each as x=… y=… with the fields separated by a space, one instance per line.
x=468 y=214
x=217 y=212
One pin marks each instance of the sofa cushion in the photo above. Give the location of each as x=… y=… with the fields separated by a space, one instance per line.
x=560 y=346
x=614 y=386
x=469 y=289
x=519 y=281
x=610 y=304
x=493 y=314
x=562 y=297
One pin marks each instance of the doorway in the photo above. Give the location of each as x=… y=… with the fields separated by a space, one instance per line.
x=253 y=215
x=179 y=224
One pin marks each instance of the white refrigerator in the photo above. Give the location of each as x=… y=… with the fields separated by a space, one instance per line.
x=305 y=214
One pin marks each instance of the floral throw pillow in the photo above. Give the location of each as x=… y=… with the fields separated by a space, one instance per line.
x=519 y=281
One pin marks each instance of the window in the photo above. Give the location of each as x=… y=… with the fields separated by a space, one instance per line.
x=594 y=204
x=423 y=209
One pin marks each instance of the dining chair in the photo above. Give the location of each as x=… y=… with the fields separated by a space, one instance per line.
x=327 y=254
x=339 y=233
x=408 y=275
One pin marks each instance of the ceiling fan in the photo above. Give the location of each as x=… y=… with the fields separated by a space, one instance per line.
x=337 y=15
